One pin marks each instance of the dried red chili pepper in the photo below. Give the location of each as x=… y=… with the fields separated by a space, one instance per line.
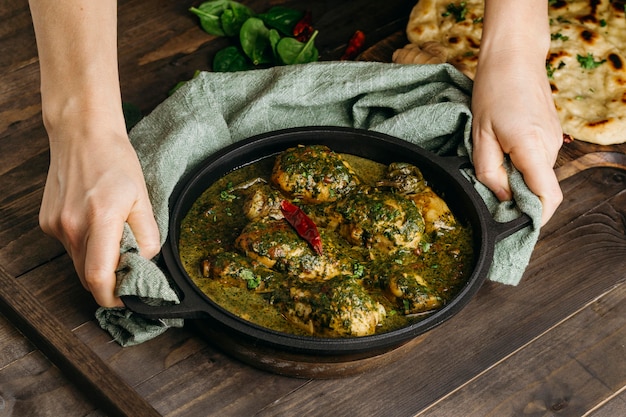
x=303 y=30
x=355 y=45
x=304 y=226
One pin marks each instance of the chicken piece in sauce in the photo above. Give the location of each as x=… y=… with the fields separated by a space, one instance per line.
x=313 y=174
x=275 y=244
x=235 y=270
x=409 y=181
x=380 y=220
x=403 y=283
x=263 y=201
x=338 y=307
x=436 y=213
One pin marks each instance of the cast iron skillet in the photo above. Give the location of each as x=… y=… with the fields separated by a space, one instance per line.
x=443 y=175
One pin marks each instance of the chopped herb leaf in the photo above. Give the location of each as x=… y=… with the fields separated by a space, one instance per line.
x=252 y=280
x=559 y=35
x=458 y=11
x=588 y=62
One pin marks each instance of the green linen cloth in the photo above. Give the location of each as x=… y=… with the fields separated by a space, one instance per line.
x=425 y=104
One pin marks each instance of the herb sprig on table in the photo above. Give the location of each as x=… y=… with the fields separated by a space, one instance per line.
x=261 y=39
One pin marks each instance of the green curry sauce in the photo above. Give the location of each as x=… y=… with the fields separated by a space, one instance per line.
x=217 y=218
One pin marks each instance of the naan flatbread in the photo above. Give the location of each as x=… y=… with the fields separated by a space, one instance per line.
x=585 y=64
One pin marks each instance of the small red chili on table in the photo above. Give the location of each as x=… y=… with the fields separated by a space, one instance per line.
x=355 y=45
x=303 y=29
x=304 y=226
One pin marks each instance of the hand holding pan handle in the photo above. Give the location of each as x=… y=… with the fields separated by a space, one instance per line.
x=496 y=230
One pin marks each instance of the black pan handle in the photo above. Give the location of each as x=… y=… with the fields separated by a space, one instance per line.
x=184 y=310
x=506 y=229
x=497 y=230
x=192 y=304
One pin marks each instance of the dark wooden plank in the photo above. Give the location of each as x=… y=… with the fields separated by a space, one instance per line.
x=13 y=345
x=17 y=40
x=155 y=356
x=55 y=283
x=567 y=371
x=614 y=406
x=210 y=383
x=22 y=136
x=19 y=229
x=32 y=386
x=584 y=192
x=76 y=360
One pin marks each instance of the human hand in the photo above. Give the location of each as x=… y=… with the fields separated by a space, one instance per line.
x=514 y=114
x=94 y=185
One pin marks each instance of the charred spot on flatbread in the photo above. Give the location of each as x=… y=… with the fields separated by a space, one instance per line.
x=615 y=61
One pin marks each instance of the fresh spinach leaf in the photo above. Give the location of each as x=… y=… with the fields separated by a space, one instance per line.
x=231 y=59
x=255 y=41
x=232 y=19
x=282 y=19
x=211 y=12
x=274 y=39
x=291 y=51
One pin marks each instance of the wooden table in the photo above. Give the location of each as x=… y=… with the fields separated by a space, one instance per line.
x=554 y=345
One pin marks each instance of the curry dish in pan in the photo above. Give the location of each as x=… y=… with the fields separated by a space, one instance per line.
x=312 y=242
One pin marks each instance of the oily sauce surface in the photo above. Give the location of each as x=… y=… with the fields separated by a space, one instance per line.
x=390 y=280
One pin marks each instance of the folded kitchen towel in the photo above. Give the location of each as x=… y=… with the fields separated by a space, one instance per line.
x=428 y=105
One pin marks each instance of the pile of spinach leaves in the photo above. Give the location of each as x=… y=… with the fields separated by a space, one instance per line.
x=265 y=39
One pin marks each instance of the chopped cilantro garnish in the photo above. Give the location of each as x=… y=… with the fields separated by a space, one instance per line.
x=457 y=10
x=227 y=196
x=559 y=35
x=358 y=270
x=252 y=280
x=588 y=62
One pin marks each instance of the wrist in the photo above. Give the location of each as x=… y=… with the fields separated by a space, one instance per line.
x=516 y=26
x=79 y=119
